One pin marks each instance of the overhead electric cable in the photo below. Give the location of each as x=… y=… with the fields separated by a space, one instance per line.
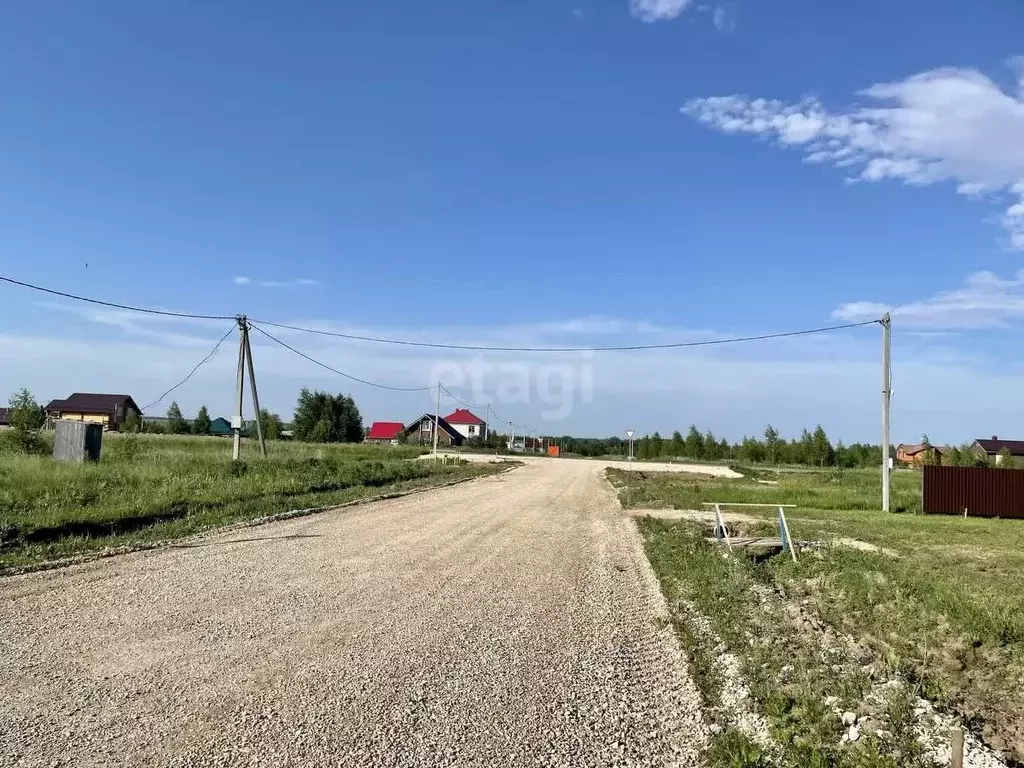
x=622 y=348
x=197 y=367
x=335 y=370
x=112 y=304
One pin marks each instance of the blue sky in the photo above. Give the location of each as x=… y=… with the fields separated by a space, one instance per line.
x=551 y=173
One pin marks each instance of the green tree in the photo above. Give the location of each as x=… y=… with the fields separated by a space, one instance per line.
x=956 y=458
x=131 y=423
x=693 y=446
x=676 y=447
x=24 y=413
x=656 y=445
x=176 y=423
x=271 y=423
x=822 y=448
x=771 y=444
x=710 y=446
x=201 y=423
x=1005 y=460
x=324 y=418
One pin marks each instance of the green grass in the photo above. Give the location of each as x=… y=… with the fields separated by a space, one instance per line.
x=818 y=489
x=147 y=488
x=945 y=609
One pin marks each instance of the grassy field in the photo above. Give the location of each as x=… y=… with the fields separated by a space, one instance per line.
x=941 y=607
x=151 y=487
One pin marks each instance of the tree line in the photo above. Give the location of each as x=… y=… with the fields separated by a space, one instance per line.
x=812 y=448
x=319 y=417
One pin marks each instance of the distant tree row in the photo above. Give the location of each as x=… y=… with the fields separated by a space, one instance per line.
x=812 y=448
x=320 y=417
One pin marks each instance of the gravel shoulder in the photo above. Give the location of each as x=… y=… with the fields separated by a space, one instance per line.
x=512 y=620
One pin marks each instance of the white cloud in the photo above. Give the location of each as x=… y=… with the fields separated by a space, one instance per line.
x=733 y=389
x=723 y=20
x=657 y=10
x=304 y=281
x=578 y=13
x=941 y=125
x=985 y=301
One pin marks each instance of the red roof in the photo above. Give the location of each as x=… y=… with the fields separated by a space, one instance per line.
x=462 y=416
x=384 y=430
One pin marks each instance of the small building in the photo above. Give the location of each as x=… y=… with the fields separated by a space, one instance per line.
x=5 y=418
x=467 y=423
x=221 y=427
x=993 y=447
x=94 y=408
x=385 y=432
x=421 y=432
x=915 y=454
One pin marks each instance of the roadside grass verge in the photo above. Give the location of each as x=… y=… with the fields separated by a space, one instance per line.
x=819 y=489
x=944 y=610
x=796 y=681
x=150 y=488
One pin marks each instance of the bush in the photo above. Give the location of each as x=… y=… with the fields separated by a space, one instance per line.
x=28 y=442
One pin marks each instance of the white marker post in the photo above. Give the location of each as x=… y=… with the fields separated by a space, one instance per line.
x=629 y=434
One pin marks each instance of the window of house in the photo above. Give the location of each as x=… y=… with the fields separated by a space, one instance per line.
x=425 y=426
x=472 y=429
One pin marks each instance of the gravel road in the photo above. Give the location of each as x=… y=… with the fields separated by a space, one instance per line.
x=507 y=621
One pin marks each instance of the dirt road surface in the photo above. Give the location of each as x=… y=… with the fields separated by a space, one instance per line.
x=508 y=621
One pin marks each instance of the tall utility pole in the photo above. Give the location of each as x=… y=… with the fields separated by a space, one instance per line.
x=437 y=417
x=245 y=359
x=236 y=421
x=886 y=397
x=511 y=438
x=255 y=395
x=487 y=423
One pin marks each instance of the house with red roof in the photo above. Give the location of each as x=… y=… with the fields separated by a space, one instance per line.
x=384 y=432
x=467 y=424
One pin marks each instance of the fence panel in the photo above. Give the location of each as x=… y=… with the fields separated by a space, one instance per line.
x=983 y=492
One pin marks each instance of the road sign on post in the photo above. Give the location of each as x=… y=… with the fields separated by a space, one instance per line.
x=629 y=434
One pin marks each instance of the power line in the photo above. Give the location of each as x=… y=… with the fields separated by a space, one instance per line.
x=335 y=370
x=130 y=308
x=198 y=366
x=623 y=348
x=460 y=400
x=439 y=345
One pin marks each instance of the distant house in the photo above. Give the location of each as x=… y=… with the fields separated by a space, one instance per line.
x=108 y=410
x=914 y=454
x=421 y=432
x=993 y=446
x=385 y=432
x=5 y=418
x=221 y=427
x=466 y=423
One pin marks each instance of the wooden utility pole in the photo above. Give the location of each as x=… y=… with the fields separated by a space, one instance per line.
x=236 y=420
x=255 y=395
x=886 y=397
x=245 y=360
x=437 y=418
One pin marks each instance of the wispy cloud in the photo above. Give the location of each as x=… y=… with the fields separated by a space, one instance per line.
x=985 y=301
x=658 y=10
x=302 y=281
x=723 y=19
x=941 y=125
x=578 y=13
